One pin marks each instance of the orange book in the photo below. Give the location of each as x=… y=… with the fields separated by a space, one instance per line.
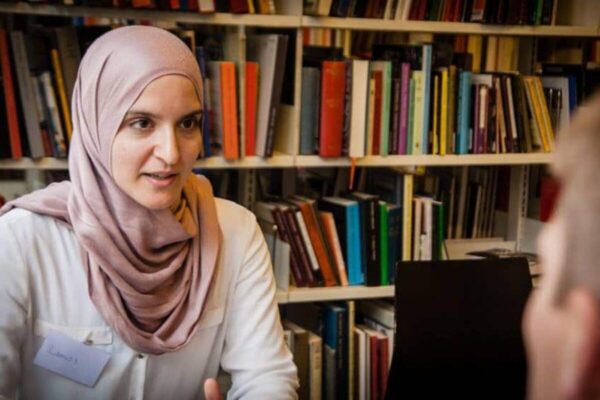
x=229 y=112
x=331 y=236
x=251 y=103
x=318 y=241
x=16 y=149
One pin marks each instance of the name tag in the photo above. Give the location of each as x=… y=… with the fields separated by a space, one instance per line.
x=71 y=359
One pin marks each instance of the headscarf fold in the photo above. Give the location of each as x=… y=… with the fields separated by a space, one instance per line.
x=149 y=272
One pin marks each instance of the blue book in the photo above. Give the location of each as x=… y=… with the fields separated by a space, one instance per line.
x=201 y=58
x=335 y=336
x=426 y=68
x=463 y=112
x=309 y=111
x=395 y=213
x=346 y=214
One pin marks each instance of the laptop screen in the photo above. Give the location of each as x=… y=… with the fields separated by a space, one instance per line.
x=458 y=329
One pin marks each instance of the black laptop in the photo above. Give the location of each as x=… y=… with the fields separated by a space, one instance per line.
x=458 y=329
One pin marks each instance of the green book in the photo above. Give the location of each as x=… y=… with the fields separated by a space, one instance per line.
x=383 y=242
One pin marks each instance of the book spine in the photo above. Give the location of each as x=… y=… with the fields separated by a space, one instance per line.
x=404 y=108
x=229 y=111
x=332 y=108
x=464 y=108
x=395 y=128
x=250 y=104
x=16 y=149
x=26 y=92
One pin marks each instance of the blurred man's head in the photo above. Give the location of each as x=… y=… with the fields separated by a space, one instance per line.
x=562 y=321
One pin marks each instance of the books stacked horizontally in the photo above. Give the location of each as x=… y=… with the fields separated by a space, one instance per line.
x=424 y=99
x=525 y=12
x=342 y=349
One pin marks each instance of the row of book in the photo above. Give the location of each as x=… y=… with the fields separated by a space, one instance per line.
x=343 y=350
x=407 y=101
x=357 y=238
x=521 y=12
x=201 y=6
x=39 y=67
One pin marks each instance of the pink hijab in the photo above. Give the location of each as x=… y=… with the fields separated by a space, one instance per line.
x=149 y=272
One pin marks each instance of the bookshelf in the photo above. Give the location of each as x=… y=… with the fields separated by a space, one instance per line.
x=298 y=21
x=281 y=160
x=369 y=24
x=302 y=295
x=289 y=158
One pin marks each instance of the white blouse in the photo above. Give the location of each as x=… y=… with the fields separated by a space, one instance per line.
x=43 y=288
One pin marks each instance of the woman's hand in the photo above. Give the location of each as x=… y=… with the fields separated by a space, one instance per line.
x=212 y=391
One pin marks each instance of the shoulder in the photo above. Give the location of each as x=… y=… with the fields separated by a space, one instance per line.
x=234 y=218
x=21 y=220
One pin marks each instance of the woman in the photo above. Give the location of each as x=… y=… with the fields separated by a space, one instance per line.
x=133 y=260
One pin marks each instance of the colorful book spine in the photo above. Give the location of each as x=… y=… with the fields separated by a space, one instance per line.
x=333 y=82
x=463 y=112
x=404 y=108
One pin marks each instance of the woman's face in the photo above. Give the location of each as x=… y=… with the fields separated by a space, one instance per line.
x=158 y=142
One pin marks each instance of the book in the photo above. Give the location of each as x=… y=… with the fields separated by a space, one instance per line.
x=250 y=103
x=268 y=51
x=10 y=100
x=310 y=111
x=333 y=81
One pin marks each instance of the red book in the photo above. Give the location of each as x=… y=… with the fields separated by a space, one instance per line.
x=378 y=77
x=238 y=6
x=549 y=193
x=229 y=111
x=9 y=98
x=174 y=4
x=250 y=110
x=457 y=12
x=383 y=362
x=374 y=349
x=333 y=84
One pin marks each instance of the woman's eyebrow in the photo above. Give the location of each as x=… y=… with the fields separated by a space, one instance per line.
x=136 y=113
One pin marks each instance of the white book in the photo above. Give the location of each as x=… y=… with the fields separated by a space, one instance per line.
x=263 y=49
x=380 y=311
x=417 y=226
x=315 y=363
x=314 y=263
x=359 y=112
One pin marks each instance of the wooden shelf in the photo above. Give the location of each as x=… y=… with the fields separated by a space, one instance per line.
x=300 y=295
x=427 y=160
x=274 y=21
x=296 y=21
x=280 y=160
x=367 y=24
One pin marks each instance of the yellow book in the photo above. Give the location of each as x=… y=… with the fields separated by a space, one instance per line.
x=507 y=59
x=251 y=9
x=537 y=112
x=444 y=112
x=491 y=54
x=62 y=94
x=546 y=122
x=436 y=118
x=474 y=44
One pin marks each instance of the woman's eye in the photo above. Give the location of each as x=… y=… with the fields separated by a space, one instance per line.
x=190 y=123
x=142 y=123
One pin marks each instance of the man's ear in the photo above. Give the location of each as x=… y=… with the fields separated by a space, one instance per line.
x=580 y=372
